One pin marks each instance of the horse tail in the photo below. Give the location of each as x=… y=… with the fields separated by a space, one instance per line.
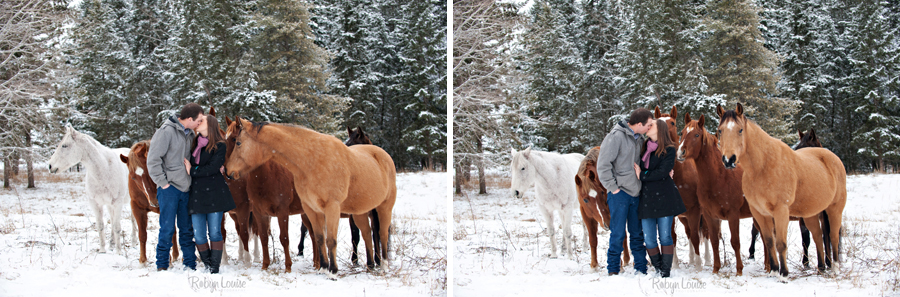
x=252 y=222
x=703 y=232
x=376 y=227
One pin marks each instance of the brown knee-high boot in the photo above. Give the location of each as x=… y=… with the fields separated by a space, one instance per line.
x=668 y=252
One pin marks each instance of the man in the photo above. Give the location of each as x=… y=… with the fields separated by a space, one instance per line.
x=169 y=147
x=619 y=152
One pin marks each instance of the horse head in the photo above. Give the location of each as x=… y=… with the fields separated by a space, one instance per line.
x=69 y=151
x=357 y=137
x=522 y=172
x=732 y=124
x=246 y=153
x=693 y=137
x=807 y=140
x=138 y=172
x=591 y=193
x=669 y=118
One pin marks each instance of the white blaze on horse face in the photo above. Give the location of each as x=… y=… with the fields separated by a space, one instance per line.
x=592 y=193
x=680 y=149
x=730 y=125
x=689 y=129
x=666 y=119
x=139 y=171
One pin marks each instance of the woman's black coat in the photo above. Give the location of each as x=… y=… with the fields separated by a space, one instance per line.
x=659 y=196
x=209 y=193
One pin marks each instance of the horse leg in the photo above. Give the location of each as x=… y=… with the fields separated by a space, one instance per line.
x=140 y=216
x=566 y=214
x=242 y=225
x=385 y=211
x=782 y=217
x=626 y=253
x=115 y=221
x=694 y=223
x=766 y=232
x=363 y=227
x=332 y=220
x=376 y=234
x=734 y=223
x=224 y=236
x=134 y=230
x=354 y=239
x=303 y=231
x=715 y=232
x=312 y=241
x=98 y=216
x=816 y=230
x=285 y=241
x=835 y=215
x=804 y=237
x=551 y=232
x=674 y=243
x=591 y=227
x=262 y=223
x=753 y=234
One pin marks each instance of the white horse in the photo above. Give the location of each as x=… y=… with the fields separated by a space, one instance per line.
x=106 y=178
x=553 y=177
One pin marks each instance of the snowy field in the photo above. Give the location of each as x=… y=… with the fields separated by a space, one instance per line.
x=49 y=247
x=500 y=249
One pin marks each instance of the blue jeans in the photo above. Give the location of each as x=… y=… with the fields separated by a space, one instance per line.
x=623 y=213
x=664 y=225
x=173 y=208
x=201 y=221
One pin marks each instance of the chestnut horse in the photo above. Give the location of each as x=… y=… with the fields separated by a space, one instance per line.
x=322 y=168
x=779 y=182
x=143 y=194
x=718 y=191
x=806 y=140
x=686 y=181
x=592 y=199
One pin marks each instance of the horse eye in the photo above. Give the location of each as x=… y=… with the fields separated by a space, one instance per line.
x=523 y=168
x=742 y=131
x=239 y=143
x=696 y=135
x=65 y=146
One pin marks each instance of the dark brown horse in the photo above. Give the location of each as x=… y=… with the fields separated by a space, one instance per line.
x=779 y=183
x=719 y=190
x=143 y=194
x=592 y=199
x=686 y=181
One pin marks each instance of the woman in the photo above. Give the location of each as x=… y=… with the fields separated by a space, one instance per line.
x=209 y=195
x=660 y=201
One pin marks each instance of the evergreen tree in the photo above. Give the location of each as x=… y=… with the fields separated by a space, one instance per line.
x=741 y=67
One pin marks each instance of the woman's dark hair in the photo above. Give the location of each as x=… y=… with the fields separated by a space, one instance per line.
x=662 y=139
x=214 y=134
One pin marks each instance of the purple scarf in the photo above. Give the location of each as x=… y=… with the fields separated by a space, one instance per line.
x=651 y=147
x=201 y=143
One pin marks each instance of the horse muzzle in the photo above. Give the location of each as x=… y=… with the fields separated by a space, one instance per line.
x=730 y=163
x=52 y=170
x=517 y=194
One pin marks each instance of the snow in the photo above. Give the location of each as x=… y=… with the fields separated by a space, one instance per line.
x=500 y=249
x=48 y=245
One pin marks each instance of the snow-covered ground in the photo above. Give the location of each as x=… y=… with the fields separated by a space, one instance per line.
x=48 y=247
x=500 y=249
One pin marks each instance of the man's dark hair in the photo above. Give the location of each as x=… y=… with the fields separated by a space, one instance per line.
x=640 y=116
x=190 y=110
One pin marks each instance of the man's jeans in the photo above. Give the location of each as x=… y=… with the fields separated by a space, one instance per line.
x=173 y=208
x=623 y=213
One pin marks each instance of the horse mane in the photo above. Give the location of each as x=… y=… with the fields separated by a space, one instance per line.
x=592 y=155
x=132 y=156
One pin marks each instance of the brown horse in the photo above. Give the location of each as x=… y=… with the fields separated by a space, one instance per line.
x=806 y=140
x=686 y=181
x=322 y=168
x=779 y=182
x=718 y=191
x=143 y=194
x=592 y=198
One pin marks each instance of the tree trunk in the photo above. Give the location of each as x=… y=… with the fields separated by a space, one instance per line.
x=15 y=163
x=6 y=172
x=28 y=161
x=459 y=179
x=482 y=187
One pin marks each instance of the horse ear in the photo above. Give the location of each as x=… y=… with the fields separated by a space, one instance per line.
x=720 y=111
x=812 y=134
x=358 y=128
x=656 y=113
x=687 y=118
x=739 y=109
x=212 y=111
x=349 y=131
x=123 y=158
x=702 y=121
x=674 y=113
x=800 y=132
x=512 y=152
x=527 y=152
x=227 y=121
